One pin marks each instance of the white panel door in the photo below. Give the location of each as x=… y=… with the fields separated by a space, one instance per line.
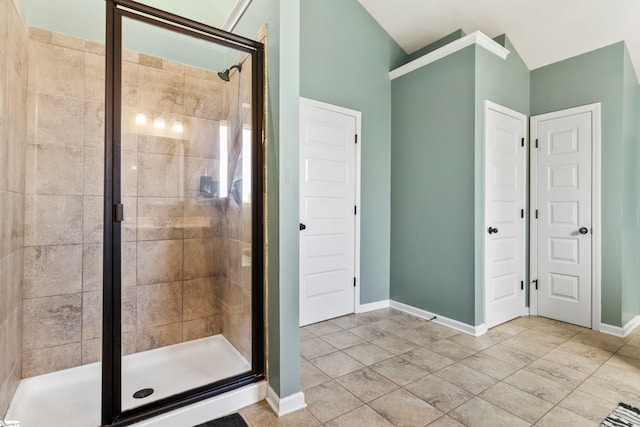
x=505 y=194
x=563 y=203
x=327 y=203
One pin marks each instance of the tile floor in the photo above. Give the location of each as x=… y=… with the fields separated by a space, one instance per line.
x=388 y=368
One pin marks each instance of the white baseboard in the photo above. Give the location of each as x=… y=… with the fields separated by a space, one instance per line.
x=618 y=331
x=378 y=305
x=287 y=405
x=475 y=331
x=210 y=409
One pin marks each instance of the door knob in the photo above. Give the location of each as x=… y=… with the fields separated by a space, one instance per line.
x=493 y=230
x=583 y=230
x=302 y=227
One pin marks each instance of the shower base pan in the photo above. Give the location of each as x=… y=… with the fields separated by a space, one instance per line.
x=72 y=396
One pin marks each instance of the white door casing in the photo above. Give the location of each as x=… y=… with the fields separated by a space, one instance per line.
x=504 y=213
x=565 y=216
x=329 y=192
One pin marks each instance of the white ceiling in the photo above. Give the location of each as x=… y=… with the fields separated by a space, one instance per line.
x=542 y=31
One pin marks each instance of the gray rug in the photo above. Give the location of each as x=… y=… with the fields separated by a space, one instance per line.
x=233 y=420
x=624 y=416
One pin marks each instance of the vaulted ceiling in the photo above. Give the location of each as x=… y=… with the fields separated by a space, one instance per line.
x=543 y=31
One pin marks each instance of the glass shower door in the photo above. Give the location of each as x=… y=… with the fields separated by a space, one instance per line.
x=190 y=262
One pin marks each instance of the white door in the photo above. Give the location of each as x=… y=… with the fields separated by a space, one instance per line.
x=505 y=195
x=562 y=201
x=327 y=212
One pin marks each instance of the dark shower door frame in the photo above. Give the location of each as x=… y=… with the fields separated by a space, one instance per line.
x=112 y=414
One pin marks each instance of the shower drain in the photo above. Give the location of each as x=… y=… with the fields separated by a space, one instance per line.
x=141 y=394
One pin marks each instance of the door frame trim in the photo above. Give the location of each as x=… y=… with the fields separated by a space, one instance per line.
x=358 y=175
x=489 y=105
x=596 y=189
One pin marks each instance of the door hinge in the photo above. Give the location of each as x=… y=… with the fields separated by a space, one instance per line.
x=354 y=282
x=356 y=138
x=522 y=285
x=536 y=142
x=536 y=213
x=355 y=210
x=118 y=212
x=521 y=213
x=536 y=282
x=522 y=142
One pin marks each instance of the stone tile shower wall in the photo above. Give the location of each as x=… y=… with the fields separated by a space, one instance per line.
x=174 y=275
x=13 y=113
x=236 y=298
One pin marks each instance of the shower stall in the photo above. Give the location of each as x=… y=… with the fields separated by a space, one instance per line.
x=143 y=231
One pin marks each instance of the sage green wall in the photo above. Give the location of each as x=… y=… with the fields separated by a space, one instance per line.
x=597 y=76
x=432 y=187
x=437 y=193
x=505 y=82
x=345 y=60
x=457 y=34
x=630 y=199
x=283 y=19
x=86 y=19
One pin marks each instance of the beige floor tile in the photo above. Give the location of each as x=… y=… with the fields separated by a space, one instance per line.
x=438 y=332
x=474 y=343
x=439 y=393
x=427 y=359
x=310 y=376
x=367 y=353
x=572 y=361
x=624 y=362
x=542 y=335
x=342 y=339
x=478 y=413
x=395 y=345
x=541 y=387
x=305 y=335
x=348 y=322
x=555 y=372
x=517 y=402
x=403 y=409
x=337 y=364
x=322 y=328
x=615 y=372
x=370 y=332
x=586 y=351
x=599 y=340
x=489 y=366
x=510 y=355
x=419 y=336
x=466 y=378
x=511 y=328
x=608 y=391
x=330 y=400
x=315 y=347
x=630 y=349
x=363 y=416
x=587 y=406
x=261 y=415
x=562 y=417
x=398 y=370
x=450 y=349
x=445 y=421
x=367 y=384
x=541 y=363
x=526 y=345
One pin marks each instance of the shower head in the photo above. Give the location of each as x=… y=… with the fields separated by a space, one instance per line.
x=224 y=75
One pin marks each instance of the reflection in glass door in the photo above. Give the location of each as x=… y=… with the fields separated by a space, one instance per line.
x=187 y=226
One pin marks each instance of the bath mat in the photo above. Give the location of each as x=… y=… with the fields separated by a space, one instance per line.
x=624 y=416
x=233 y=420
